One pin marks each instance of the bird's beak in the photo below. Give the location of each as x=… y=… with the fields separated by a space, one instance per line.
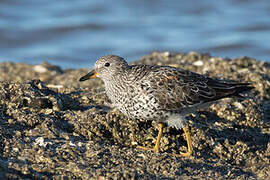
x=92 y=74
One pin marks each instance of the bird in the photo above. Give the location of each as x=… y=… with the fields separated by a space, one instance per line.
x=163 y=94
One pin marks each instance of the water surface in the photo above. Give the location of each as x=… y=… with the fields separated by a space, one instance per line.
x=74 y=34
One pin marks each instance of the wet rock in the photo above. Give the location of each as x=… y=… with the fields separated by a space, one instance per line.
x=56 y=127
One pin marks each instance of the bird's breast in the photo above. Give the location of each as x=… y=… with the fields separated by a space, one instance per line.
x=133 y=101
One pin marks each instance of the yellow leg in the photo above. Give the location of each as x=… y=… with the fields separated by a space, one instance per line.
x=156 y=148
x=189 y=145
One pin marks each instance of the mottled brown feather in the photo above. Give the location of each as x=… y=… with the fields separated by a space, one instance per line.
x=177 y=88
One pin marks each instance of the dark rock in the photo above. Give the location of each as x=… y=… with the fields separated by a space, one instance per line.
x=57 y=127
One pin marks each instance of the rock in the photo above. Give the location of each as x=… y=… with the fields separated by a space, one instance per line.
x=60 y=128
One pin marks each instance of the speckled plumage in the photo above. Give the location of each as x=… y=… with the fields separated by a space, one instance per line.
x=160 y=93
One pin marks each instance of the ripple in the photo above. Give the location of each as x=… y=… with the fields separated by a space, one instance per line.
x=63 y=32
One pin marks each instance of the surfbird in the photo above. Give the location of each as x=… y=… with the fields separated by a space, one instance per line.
x=160 y=93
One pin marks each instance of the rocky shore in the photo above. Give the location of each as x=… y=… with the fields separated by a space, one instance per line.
x=52 y=126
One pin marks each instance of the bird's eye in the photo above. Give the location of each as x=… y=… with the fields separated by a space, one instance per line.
x=107 y=64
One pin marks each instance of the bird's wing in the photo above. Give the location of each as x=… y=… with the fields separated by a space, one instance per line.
x=176 y=88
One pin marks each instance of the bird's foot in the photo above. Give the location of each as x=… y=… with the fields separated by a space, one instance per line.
x=189 y=145
x=186 y=154
x=154 y=149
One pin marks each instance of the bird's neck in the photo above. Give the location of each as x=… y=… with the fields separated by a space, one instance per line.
x=116 y=81
x=115 y=88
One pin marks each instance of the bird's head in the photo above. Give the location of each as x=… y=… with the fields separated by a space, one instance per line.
x=106 y=67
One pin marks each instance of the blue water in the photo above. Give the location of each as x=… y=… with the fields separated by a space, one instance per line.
x=74 y=34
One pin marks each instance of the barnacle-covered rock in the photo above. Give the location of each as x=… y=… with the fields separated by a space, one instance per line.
x=56 y=127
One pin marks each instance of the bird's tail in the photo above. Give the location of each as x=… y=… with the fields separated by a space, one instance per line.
x=228 y=89
x=240 y=88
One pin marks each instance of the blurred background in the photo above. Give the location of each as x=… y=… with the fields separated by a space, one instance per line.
x=73 y=34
